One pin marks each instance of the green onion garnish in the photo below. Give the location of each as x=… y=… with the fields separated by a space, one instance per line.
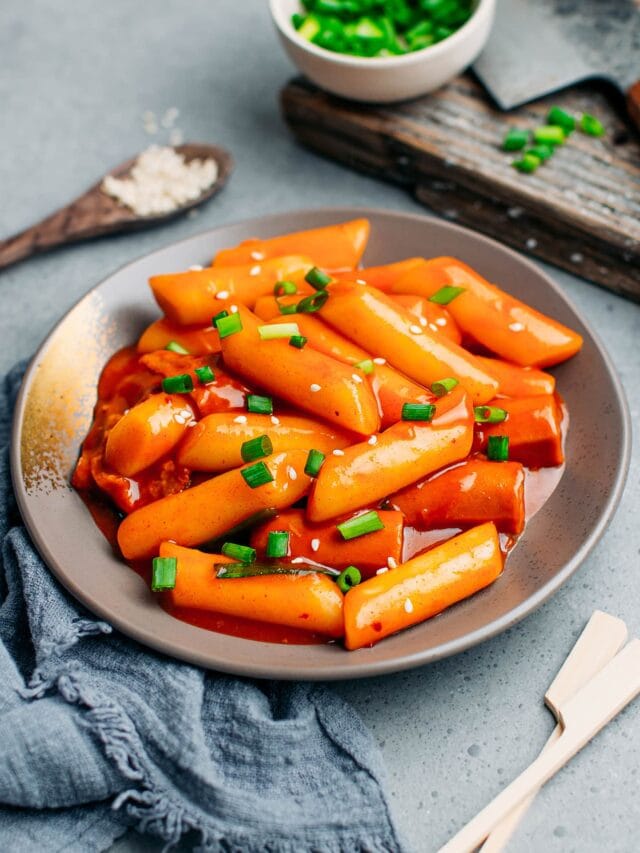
x=174 y=346
x=542 y=152
x=259 y=405
x=446 y=294
x=498 y=448
x=515 y=140
x=297 y=341
x=549 y=134
x=278 y=330
x=312 y=303
x=489 y=415
x=229 y=325
x=443 y=386
x=366 y=365
x=242 y=553
x=257 y=475
x=591 y=125
x=164 y=573
x=205 y=374
x=226 y=571
x=558 y=116
x=256 y=448
x=180 y=384
x=418 y=411
x=314 y=463
x=219 y=316
x=287 y=309
x=348 y=578
x=360 y=525
x=318 y=279
x=282 y=288
x=278 y=543
x=527 y=164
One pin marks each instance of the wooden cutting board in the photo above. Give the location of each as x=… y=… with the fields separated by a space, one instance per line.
x=580 y=210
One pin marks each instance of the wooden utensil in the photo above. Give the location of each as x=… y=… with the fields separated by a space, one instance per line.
x=95 y=214
x=601 y=640
x=582 y=716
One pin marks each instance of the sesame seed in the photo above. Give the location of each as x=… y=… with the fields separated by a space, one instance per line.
x=382 y=570
x=255 y=270
x=441 y=321
x=408 y=605
x=233 y=309
x=196 y=268
x=274 y=420
x=241 y=419
x=314 y=387
x=315 y=544
x=392 y=563
x=338 y=452
x=531 y=243
x=379 y=360
x=516 y=327
x=356 y=378
x=576 y=258
x=293 y=474
x=415 y=330
x=257 y=256
x=423 y=321
x=360 y=281
x=373 y=439
x=433 y=327
x=222 y=294
x=298 y=560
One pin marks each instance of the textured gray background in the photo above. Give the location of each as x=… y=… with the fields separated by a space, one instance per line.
x=75 y=78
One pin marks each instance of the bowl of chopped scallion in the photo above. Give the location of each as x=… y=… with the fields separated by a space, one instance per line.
x=382 y=50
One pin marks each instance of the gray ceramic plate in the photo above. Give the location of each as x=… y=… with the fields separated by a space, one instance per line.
x=54 y=413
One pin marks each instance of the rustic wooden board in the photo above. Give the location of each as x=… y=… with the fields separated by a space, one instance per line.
x=580 y=210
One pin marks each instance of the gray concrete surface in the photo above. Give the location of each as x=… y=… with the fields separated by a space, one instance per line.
x=75 y=79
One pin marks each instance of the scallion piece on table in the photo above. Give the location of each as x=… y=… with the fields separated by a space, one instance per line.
x=257 y=475
x=163 y=573
x=205 y=374
x=549 y=134
x=498 y=448
x=542 y=152
x=446 y=294
x=489 y=415
x=561 y=118
x=360 y=525
x=174 y=346
x=242 y=553
x=349 y=578
x=182 y=383
x=418 y=411
x=278 y=330
x=259 y=405
x=515 y=140
x=591 y=125
x=443 y=386
x=317 y=278
x=284 y=288
x=527 y=164
x=312 y=303
x=297 y=341
x=366 y=365
x=229 y=325
x=256 y=448
x=278 y=543
x=219 y=316
x=314 y=463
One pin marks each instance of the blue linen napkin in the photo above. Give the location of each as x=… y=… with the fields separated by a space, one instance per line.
x=98 y=733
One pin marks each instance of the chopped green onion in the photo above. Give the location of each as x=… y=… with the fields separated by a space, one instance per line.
x=558 y=116
x=259 y=405
x=366 y=365
x=287 y=309
x=443 y=386
x=348 y=578
x=312 y=303
x=257 y=475
x=282 y=288
x=249 y=570
x=528 y=164
x=278 y=330
x=297 y=341
x=219 y=316
x=182 y=383
x=446 y=294
x=205 y=374
x=498 y=448
x=242 y=553
x=278 y=543
x=229 y=325
x=515 y=139
x=164 y=570
x=256 y=448
x=542 y=152
x=174 y=346
x=418 y=411
x=549 y=134
x=360 y=525
x=314 y=463
x=318 y=279
x=489 y=415
x=591 y=125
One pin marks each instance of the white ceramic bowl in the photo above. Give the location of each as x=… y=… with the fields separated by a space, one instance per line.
x=393 y=78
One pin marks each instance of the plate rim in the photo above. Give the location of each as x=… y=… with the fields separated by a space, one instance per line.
x=361 y=669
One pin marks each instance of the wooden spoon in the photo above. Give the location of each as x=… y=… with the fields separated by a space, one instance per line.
x=95 y=213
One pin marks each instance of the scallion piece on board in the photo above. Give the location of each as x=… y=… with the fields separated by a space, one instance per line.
x=278 y=330
x=591 y=125
x=284 y=288
x=527 y=164
x=349 y=578
x=318 y=279
x=278 y=543
x=257 y=475
x=489 y=415
x=446 y=294
x=498 y=448
x=182 y=383
x=243 y=553
x=542 y=152
x=418 y=411
x=360 y=525
x=163 y=573
x=366 y=365
x=256 y=448
x=314 y=463
x=515 y=140
x=312 y=303
x=174 y=346
x=205 y=374
x=259 y=405
x=549 y=134
x=560 y=117
x=229 y=325
x=297 y=341
x=443 y=386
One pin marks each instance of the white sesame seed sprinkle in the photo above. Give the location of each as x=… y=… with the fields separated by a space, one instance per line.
x=241 y=419
x=298 y=560
x=255 y=270
x=516 y=327
x=338 y=452
x=531 y=243
x=379 y=360
x=222 y=294
x=356 y=378
x=392 y=563
x=415 y=330
x=314 y=387
x=257 y=256
x=291 y=471
x=360 y=281
x=423 y=321
x=408 y=605
x=373 y=439
x=233 y=309
x=274 y=420
x=382 y=570
x=196 y=268
x=315 y=544
x=433 y=327
x=441 y=321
